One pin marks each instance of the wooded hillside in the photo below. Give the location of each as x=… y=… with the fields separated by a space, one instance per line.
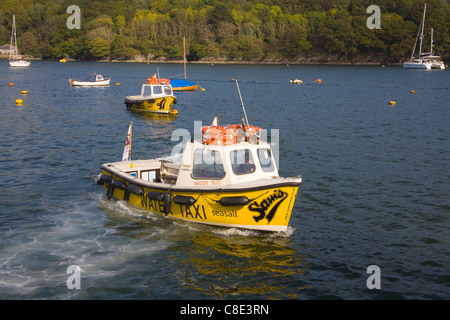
x=242 y=30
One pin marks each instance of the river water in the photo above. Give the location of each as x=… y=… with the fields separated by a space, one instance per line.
x=376 y=185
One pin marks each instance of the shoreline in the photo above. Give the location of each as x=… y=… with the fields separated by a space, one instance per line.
x=317 y=60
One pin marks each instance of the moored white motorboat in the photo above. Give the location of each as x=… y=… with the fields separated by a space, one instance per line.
x=94 y=80
x=436 y=61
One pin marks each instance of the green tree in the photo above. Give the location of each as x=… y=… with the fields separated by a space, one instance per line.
x=123 y=48
x=236 y=29
x=99 y=48
x=29 y=44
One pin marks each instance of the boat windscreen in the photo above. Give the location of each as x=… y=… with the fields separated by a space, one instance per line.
x=90 y=78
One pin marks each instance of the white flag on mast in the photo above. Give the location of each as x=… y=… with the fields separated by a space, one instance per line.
x=127 y=150
x=215 y=122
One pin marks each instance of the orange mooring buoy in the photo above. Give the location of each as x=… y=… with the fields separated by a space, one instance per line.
x=318 y=80
x=10 y=84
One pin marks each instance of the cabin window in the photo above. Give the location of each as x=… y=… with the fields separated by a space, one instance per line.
x=265 y=160
x=147 y=91
x=133 y=174
x=207 y=165
x=167 y=90
x=151 y=175
x=157 y=89
x=242 y=162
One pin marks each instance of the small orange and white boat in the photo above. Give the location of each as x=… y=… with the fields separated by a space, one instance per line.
x=227 y=178
x=296 y=81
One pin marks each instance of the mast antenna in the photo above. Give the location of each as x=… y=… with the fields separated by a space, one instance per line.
x=242 y=102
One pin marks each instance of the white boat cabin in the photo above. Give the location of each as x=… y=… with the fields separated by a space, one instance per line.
x=214 y=165
x=154 y=91
x=99 y=77
x=208 y=166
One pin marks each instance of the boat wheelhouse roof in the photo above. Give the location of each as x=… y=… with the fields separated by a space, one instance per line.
x=206 y=167
x=93 y=78
x=225 y=164
x=429 y=56
x=156 y=90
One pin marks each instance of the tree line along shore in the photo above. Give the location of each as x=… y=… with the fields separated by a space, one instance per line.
x=230 y=31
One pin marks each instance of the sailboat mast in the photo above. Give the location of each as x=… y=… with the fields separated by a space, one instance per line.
x=431 y=50
x=13 y=35
x=415 y=43
x=184 y=56
x=423 y=25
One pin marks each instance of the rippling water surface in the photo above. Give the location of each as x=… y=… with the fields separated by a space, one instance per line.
x=376 y=185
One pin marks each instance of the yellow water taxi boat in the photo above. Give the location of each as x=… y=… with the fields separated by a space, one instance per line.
x=227 y=178
x=156 y=96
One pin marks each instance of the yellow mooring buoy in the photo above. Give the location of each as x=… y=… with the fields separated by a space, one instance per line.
x=412 y=91
x=19 y=102
x=24 y=92
x=392 y=103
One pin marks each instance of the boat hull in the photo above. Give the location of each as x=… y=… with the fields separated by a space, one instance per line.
x=76 y=83
x=438 y=66
x=20 y=63
x=415 y=65
x=187 y=88
x=155 y=105
x=183 y=85
x=265 y=208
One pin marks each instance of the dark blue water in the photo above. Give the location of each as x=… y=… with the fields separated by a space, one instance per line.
x=376 y=185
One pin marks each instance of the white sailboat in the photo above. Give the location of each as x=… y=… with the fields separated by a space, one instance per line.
x=421 y=62
x=15 y=59
x=436 y=60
